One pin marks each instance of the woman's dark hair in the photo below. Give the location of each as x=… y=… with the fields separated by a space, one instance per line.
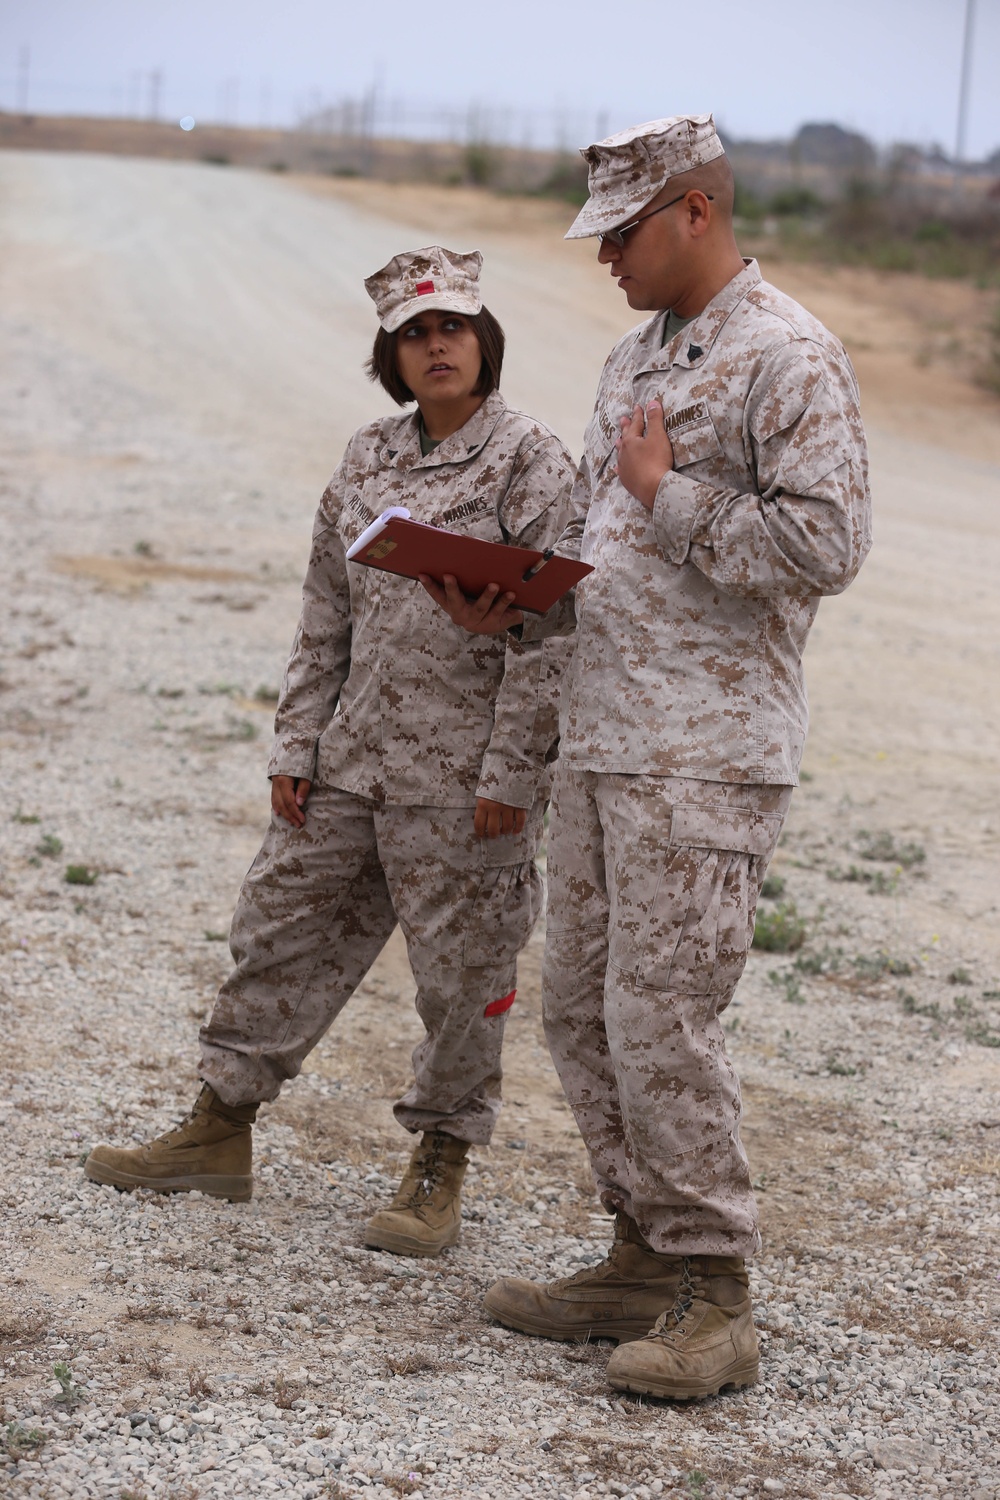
x=383 y=366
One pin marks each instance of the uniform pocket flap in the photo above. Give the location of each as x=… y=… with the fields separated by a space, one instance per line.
x=693 y=442
x=736 y=829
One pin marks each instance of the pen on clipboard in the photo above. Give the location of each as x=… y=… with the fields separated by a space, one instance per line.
x=539 y=565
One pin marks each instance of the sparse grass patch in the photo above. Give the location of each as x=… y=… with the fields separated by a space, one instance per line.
x=874 y=965
x=215 y=937
x=882 y=845
x=80 y=875
x=49 y=846
x=199 y=1384
x=877 y=881
x=960 y=976
x=408 y=1364
x=23 y=817
x=825 y=960
x=285 y=1395
x=773 y=887
x=20 y=1442
x=840 y=1069
x=982 y=1035
x=240 y=729
x=26 y=1328
x=913 y=1007
x=789 y=983
x=780 y=930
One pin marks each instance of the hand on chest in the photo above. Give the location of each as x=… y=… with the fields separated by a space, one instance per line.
x=687 y=415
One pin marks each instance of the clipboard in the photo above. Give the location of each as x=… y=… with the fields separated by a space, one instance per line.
x=397 y=544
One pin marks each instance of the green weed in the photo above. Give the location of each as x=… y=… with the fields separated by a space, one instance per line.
x=913 y=1007
x=784 y=979
x=825 y=960
x=773 y=887
x=982 y=1036
x=69 y=1393
x=49 y=846
x=241 y=729
x=874 y=965
x=877 y=881
x=959 y=976
x=23 y=817
x=80 y=875
x=780 y=930
x=882 y=845
x=18 y=1440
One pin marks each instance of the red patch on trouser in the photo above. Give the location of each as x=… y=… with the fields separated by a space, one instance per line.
x=497 y=1007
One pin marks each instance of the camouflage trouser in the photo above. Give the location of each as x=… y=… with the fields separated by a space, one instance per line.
x=653 y=885
x=316 y=909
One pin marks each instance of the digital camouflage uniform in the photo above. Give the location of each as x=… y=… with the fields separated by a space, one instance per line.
x=684 y=721
x=401 y=721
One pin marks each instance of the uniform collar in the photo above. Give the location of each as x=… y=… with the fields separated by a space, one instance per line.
x=692 y=346
x=402 y=449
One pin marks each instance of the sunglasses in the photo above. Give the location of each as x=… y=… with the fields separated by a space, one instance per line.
x=617 y=236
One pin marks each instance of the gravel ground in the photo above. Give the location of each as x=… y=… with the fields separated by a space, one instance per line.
x=187 y=1348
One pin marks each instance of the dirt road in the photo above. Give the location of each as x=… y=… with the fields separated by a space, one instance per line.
x=181 y=352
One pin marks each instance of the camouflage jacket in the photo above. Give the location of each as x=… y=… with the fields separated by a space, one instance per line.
x=385 y=697
x=690 y=631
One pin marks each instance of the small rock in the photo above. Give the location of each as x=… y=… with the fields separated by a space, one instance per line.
x=905 y=1453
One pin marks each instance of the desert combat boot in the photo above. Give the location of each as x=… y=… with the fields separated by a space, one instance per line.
x=619 y=1299
x=705 y=1341
x=210 y=1151
x=425 y=1216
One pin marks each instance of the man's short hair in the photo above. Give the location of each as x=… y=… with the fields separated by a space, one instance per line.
x=383 y=365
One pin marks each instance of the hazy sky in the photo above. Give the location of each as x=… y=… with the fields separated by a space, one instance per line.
x=887 y=67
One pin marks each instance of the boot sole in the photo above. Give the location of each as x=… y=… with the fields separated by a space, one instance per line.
x=402 y=1244
x=619 y=1333
x=236 y=1189
x=735 y=1379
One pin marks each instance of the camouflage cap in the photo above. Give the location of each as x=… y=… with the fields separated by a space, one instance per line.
x=422 y=280
x=628 y=169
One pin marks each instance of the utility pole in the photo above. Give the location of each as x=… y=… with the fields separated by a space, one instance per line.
x=155 y=85
x=23 y=78
x=963 y=91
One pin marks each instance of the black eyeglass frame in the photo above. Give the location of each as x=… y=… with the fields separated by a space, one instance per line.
x=617 y=236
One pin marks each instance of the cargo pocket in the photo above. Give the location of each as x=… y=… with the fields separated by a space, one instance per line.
x=507 y=905
x=700 y=922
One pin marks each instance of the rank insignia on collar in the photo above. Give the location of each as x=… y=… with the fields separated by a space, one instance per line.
x=695 y=351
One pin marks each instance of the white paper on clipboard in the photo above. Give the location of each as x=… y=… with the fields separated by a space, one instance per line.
x=371 y=532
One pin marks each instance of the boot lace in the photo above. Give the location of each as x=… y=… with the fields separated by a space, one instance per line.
x=429 y=1166
x=670 y=1324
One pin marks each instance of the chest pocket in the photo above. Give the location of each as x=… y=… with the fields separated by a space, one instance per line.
x=693 y=436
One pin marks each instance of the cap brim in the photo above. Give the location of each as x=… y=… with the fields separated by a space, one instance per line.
x=597 y=218
x=431 y=302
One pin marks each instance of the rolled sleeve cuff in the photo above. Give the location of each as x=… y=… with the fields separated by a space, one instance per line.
x=515 y=785
x=294 y=755
x=682 y=507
